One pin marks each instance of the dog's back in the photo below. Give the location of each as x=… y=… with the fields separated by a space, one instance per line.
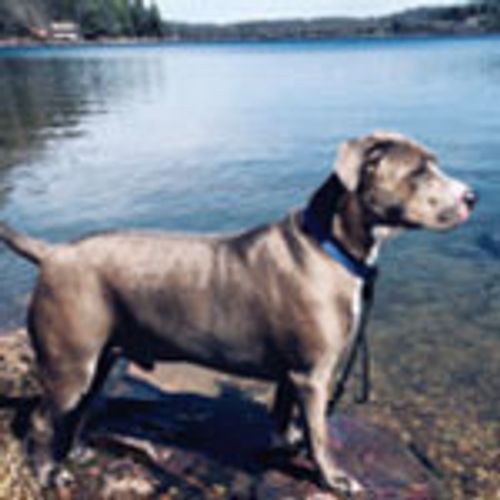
x=232 y=302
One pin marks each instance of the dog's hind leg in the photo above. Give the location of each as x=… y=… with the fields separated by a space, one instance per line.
x=288 y=435
x=70 y=333
x=71 y=422
x=57 y=420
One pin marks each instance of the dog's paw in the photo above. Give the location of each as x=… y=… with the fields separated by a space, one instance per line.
x=82 y=454
x=51 y=476
x=344 y=484
x=61 y=478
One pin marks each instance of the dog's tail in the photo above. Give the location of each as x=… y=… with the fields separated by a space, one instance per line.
x=33 y=250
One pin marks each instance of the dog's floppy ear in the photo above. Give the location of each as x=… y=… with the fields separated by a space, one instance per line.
x=349 y=163
x=354 y=154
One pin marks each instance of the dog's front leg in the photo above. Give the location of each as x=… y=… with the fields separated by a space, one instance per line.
x=312 y=395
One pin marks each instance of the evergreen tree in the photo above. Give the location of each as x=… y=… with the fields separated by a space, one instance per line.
x=96 y=18
x=139 y=17
x=93 y=23
x=124 y=17
x=154 y=23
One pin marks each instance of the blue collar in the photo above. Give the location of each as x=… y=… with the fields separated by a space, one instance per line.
x=333 y=248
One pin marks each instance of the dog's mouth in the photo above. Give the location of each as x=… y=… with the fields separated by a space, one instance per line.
x=459 y=212
x=454 y=216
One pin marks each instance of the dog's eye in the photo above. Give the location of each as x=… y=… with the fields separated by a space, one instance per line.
x=420 y=171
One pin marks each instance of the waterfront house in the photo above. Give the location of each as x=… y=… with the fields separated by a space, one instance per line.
x=64 y=31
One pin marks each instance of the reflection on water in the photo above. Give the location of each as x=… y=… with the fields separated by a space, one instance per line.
x=217 y=137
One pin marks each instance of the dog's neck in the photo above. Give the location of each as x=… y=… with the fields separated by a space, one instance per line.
x=341 y=214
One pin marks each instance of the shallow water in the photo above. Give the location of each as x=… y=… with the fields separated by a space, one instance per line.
x=218 y=137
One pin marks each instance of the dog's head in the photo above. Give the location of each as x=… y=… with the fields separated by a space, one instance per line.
x=399 y=183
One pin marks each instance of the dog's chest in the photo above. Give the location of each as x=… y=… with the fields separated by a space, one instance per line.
x=343 y=312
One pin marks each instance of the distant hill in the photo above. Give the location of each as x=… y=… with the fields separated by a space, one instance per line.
x=482 y=17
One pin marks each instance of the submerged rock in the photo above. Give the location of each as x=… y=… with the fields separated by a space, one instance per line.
x=165 y=441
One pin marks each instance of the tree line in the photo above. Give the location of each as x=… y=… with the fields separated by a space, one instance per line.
x=96 y=18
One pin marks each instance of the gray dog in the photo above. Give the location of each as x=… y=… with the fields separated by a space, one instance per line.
x=279 y=302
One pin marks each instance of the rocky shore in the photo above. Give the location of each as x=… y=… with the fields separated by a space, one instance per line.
x=183 y=432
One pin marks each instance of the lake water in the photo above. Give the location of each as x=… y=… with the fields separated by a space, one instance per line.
x=222 y=136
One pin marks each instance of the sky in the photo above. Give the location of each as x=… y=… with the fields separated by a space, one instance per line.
x=236 y=10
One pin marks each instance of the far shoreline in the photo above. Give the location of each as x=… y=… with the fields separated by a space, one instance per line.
x=26 y=43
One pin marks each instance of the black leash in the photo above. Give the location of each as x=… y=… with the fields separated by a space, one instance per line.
x=359 y=347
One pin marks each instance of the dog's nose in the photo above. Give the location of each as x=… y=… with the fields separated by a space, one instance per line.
x=470 y=199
